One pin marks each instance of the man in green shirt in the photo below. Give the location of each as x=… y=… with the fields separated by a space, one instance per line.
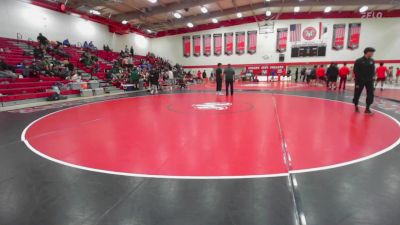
x=135 y=77
x=229 y=79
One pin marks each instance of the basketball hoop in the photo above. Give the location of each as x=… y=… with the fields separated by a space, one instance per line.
x=267 y=28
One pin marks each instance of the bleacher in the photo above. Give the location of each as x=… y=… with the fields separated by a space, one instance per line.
x=22 y=90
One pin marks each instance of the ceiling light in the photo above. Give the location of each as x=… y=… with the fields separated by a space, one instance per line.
x=268 y=13
x=94 y=12
x=190 y=25
x=363 y=9
x=204 y=9
x=297 y=9
x=177 y=15
x=267 y=0
x=328 y=9
x=239 y=15
x=214 y=20
x=124 y=22
x=153 y=1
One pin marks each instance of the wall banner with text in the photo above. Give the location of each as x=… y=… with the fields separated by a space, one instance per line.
x=196 y=45
x=240 y=42
x=217 y=44
x=228 y=43
x=186 y=46
x=207 y=44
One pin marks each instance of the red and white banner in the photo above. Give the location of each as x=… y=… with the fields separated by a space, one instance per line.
x=281 y=39
x=186 y=46
x=228 y=43
x=240 y=42
x=353 y=40
x=207 y=44
x=196 y=45
x=217 y=44
x=251 y=42
x=266 y=70
x=339 y=31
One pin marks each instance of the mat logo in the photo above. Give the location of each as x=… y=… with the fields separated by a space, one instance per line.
x=212 y=106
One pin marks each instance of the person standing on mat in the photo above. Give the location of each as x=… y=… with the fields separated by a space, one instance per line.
x=364 y=71
x=381 y=73
x=229 y=74
x=332 y=74
x=218 y=78
x=343 y=73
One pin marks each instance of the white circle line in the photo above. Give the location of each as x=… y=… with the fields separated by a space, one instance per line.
x=23 y=138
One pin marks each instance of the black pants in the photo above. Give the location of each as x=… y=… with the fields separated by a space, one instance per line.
x=369 y=85
x=227 y=84
x=219 y=84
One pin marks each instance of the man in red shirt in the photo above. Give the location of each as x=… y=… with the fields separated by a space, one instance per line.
x=321 y=75
x=381 y=73
x=397 y=75
x=344 y=71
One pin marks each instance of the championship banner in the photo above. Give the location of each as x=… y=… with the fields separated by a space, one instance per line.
x=196 y=45
x=240 y=42
x=217 y=44
x=186 y=46
x=281 y=39
x=251 y=42
x=339 y=31
x=228 y=43
x=353 y=40
x=207 y=44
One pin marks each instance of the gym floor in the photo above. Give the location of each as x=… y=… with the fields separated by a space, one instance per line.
x=279 y=154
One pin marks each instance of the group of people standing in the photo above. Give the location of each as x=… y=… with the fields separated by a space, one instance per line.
x=229 y=75
x=329 y=75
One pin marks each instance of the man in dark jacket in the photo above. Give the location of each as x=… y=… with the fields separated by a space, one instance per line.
x=154 y=76
x=332 y=73
x=364 y=72
x=218 y=76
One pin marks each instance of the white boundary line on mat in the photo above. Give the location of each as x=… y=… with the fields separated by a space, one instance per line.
x=380 y=152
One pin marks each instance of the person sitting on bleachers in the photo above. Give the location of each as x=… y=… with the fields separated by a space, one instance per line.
x=6 y=71
x=76 y=77
x=66 y=43
x=38 y=53
x=27 y=71
x=43 y=41
x=91 y=46
x=85 y=45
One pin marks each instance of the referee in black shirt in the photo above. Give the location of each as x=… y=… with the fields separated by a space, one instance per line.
x=364 y=71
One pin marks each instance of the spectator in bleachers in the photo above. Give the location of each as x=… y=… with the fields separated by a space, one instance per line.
x=132 y=52
x=43 y=41
x=85 y=45
x=91 y=46
x=6 y=71
x=27 y=71
x=135 y=77
x=66 y=43
x=38 y=53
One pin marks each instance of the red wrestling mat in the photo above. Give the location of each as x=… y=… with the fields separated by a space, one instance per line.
x=206 y=135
